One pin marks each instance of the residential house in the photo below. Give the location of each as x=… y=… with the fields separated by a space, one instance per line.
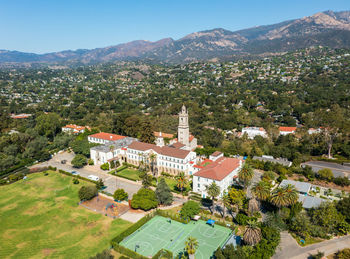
x=252 y=132
x=287 y=130
x=281 y=161
x=74 y=129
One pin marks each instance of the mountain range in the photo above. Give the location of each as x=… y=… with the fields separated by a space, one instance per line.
x=331 y=29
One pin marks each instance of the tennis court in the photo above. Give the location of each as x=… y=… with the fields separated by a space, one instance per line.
x=160 y=233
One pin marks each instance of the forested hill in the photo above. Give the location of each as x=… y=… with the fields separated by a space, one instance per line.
x=328 y=28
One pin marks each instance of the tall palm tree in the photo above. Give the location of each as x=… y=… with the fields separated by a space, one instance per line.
x=261 y=190
x=245 y=175
x=153 y=158
x=181 y=181
x=284 y=196
x=213 y=190
x=191 y=246
x=226 y=203
x=253 y=206
x=252 y=233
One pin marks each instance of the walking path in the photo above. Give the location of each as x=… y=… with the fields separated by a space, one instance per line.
x=289 y=248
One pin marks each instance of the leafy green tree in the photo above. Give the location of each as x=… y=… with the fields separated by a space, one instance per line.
x=245 y=175
x=252 y=233
x=325 y=174
x=48 y=125
x=300 y=224
x=144 y=199
x=343 y=206
x=327 y=216
x=120 y=195
x=189 y=209
x=191 y=246
x=237 y=197
x=146 y=132
x=87 y=192
x=79 y=161
x=213 y=190
x=163 y=193
x=343 y=254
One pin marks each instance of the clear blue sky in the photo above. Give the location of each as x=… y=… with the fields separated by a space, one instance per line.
x=41 y=26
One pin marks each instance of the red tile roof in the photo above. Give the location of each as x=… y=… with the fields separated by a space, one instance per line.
x=216 y=153
x=219 y=169
x=166 y=151
x=107 y=136
x=287 y=128
x=177 y=145
x=164 y=135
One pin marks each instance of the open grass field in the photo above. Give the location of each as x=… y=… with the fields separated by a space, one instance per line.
x=159 y=233
x=40 y=217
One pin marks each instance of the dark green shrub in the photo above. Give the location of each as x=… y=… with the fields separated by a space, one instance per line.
x=106 y=254
x=120 y=195
x=75 y=181
x=79 y=161
x=87 y=192
x=189 y=209
x=144 y=199
x=105 y=166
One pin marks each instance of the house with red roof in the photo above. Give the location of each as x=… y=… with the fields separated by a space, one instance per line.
x=222 y=171
x=74 y=129
x=104 y=138
x=287 y=130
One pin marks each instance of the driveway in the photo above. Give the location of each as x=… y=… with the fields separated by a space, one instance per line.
x=288 y=247
x=337 y=169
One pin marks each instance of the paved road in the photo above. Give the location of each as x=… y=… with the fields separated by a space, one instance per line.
x=337 y=169
x=112 y=182
x=289 y=248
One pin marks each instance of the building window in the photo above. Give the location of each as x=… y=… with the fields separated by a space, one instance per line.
x=199 y=186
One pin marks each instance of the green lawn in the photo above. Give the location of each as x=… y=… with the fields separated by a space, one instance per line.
x=130 y=173
x=133 y=174
x=40 y=217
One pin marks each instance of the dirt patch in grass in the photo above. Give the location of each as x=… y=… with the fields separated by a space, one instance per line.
x=104 y=205
x=21 y=245
x=9 y=234
x=11 y=206
x=47 y=251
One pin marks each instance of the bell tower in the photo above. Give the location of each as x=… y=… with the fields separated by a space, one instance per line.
x=183 y=134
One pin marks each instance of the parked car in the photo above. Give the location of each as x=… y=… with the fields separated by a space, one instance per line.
x=63 y=161
x=74 y=173
x=93 y=177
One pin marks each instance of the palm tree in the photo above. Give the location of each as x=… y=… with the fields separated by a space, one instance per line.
x=191 y=246
x=153 y=158
x=226 y=203
x=261 y=190
x=284 y=196
x=181 y=181
x=245 y=175
x=213 y=190
x=252 y=233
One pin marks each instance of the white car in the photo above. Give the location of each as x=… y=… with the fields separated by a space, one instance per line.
x=93 y=177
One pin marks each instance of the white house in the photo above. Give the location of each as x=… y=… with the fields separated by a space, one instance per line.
x=166 y=159
x=74 y=129
x=115 y=151
x=104 y=138
x=314 y=131
x=252 y=132
x=287 y=130
x=223 y=172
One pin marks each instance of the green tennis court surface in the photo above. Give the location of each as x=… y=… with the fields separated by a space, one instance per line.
x=158 y=233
